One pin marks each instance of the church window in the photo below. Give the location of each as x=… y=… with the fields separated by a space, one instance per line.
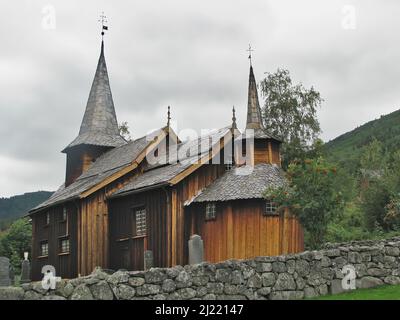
x=270 y=208
x=211 y=211
x=64 y=245
x=47 y=222
x=44 y=248
x=141 y=227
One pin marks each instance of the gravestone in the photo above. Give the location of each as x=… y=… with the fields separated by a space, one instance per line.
x=25 y=269
x=148 y=259
x=11 y=275
x=5 y=280
x=196 y=249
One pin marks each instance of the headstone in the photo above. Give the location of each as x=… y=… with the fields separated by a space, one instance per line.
x=5 y=280
x=25 y=269
x=148 y=259
x=196 y=249
x=11 y=275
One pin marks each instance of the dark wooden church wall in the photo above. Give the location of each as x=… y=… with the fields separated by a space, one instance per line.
x=79 y=160
x=122 y=229
x=65 y=263
x=241 y=231
x=275 y=150
x=93 y=225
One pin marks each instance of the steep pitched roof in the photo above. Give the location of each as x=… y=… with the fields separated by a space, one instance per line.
x=104 y=167
x=242 y=183
x=254 y=119
x=153 y=178
x=99 y=125
x=164 y=175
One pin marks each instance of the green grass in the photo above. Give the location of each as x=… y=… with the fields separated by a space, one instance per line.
x=379 y=293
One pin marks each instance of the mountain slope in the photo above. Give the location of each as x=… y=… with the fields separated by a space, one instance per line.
x=17 y=206
x=346 y=149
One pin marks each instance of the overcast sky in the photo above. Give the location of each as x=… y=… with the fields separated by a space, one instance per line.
x=187 y=54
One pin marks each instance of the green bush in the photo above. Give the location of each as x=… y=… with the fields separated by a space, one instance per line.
x=15 y=242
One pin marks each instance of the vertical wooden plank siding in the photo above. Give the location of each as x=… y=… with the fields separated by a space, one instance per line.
x=123 y=240
x=64 y=263
x=185 y=191
x=242 y=231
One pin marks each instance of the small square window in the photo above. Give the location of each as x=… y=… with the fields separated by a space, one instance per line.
x=47 y=218
x=64 y=245
x=270 y=208
x=141 y=227
x=211 y=211
x=44 y=248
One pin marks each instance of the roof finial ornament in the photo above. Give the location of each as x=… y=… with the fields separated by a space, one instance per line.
x=234 y=125
x=103 y=20
x=169 y=116
x=250 y=50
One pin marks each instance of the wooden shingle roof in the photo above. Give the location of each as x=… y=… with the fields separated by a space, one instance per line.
x=99 y=125
x=242 y=183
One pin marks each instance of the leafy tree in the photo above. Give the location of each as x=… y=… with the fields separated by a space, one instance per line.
x=16 y=241
x=124 y=131
x=372 y=157
x=392 y=217
x=378 y=187
x=312 y=195
x=290 y=112
x=373 y=204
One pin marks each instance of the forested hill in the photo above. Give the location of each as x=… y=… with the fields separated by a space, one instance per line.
x=346 y=149
x=16 y=206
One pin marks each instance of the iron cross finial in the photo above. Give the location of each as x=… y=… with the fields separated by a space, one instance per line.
x=103 y=20
x=234 y=125
x=250 y=50
x=169 y=116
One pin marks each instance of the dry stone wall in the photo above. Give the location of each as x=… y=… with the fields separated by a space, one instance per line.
x=297 y=276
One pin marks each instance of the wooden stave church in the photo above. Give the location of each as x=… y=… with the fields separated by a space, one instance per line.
x=91 y=220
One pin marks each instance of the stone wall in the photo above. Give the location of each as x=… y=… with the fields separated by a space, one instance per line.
x=303 y=275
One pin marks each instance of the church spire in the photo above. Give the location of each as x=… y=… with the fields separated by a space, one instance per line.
x=99 y=125
x=254 y=120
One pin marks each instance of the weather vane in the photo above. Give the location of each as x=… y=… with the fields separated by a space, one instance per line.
x=250 y=50
x=169 y=116
x=103 y=20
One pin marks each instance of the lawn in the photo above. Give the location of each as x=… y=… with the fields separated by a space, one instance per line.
x=379 y=293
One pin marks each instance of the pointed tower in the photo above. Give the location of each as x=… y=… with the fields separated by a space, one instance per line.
x=99 y=129
x=254 y=119
x=266 y=148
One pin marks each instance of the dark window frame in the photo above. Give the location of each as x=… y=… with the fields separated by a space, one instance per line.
x=64 y=214
x=47 y=219
x=270 y=208
x=210 y=211
x=61 y=247
x=141 y=227
x=44 y=253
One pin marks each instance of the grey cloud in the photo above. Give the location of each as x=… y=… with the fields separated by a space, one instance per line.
x=190 y=55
